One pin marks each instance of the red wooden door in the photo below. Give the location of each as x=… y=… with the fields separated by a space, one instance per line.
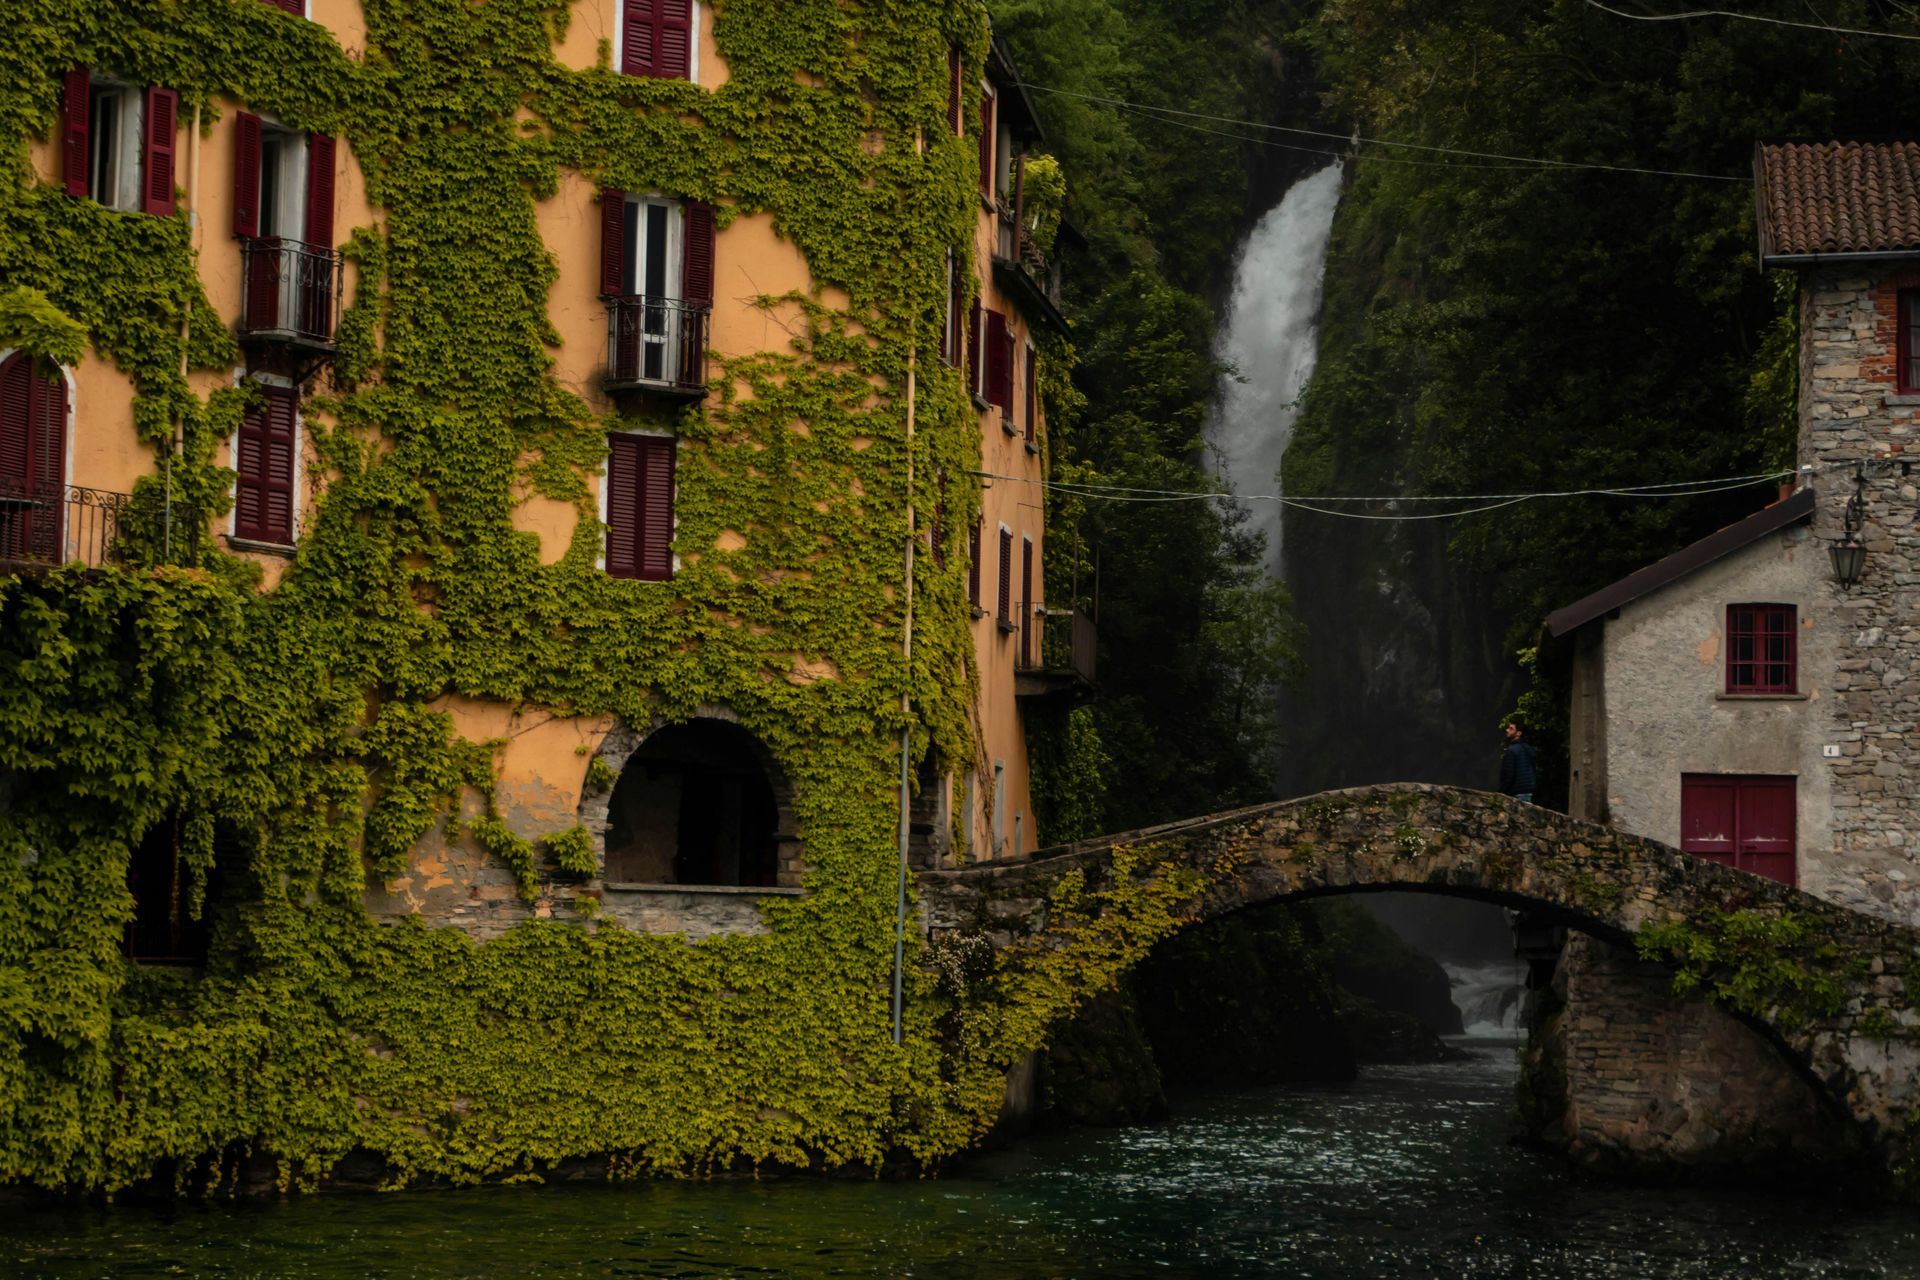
x=1740 y=821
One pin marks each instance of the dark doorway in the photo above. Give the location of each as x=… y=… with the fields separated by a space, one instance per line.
x=694 y=806
x=164 y=928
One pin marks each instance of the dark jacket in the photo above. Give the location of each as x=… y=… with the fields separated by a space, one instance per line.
x=1516 y=770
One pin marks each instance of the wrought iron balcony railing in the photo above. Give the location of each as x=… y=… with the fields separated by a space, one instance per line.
x=292 y=292
x=68 y=524
x=657 y=344
x=1054 y=650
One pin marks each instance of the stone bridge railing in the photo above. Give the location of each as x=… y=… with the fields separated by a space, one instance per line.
x=1828 y=986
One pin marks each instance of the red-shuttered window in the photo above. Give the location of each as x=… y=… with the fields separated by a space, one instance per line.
x=33 y=459
x=1000 y=357
x=656 y=38
x=640 y=507
x=263 y=468
x=973 y=561
x=973 y=348
x=1762 y=649
x=117 y=142
x=1741 y=821
x=1004 y=610
x=1907 y=317
x=298 y=8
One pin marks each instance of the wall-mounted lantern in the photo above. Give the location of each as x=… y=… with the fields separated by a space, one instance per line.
x=1849 y=555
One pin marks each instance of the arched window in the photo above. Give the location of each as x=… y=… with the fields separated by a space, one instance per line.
x=33 y=459
x=694 y=806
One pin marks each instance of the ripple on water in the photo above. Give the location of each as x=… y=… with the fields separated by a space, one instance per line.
x=1406 y=1173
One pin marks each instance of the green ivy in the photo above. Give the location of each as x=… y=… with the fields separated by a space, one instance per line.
x=308 y=721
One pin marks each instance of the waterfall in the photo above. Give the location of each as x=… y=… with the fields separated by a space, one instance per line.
x=1489 y=998
x=1269 y=338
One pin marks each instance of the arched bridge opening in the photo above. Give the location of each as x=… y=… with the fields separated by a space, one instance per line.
x=1826 y=985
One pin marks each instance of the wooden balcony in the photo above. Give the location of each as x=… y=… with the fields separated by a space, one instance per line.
x=1054 y=652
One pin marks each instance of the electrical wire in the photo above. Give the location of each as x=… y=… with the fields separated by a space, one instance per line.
x=1751 y=17
x=1487 y=502
x=1174 y=115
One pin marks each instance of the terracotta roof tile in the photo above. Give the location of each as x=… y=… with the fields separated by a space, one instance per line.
x=1837 y=197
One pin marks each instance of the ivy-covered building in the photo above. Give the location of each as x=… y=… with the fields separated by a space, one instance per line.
x=502 y=507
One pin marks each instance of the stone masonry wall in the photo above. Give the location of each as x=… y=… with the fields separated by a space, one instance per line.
x=1851 y=413
x=1625 y=1077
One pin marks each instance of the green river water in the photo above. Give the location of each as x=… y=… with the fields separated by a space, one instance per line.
x=1405 y=1173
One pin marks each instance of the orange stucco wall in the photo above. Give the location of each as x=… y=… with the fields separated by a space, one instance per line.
x=541 y=770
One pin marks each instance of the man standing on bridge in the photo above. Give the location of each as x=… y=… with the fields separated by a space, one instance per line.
x=1516 y=764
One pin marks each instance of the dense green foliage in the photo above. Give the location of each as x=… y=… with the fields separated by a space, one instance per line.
x=1194 y=642
x=304 y=733
x=1493 y=327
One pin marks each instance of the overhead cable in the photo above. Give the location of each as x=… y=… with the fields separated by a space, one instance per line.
x=1752 y=17
x=1174 y=115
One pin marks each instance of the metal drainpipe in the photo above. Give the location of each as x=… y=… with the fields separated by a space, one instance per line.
x=186 y=324
x=906 y=703
x=906 y=728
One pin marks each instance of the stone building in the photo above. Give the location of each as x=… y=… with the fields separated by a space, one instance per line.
x=1736 y=698
x=1752 y=698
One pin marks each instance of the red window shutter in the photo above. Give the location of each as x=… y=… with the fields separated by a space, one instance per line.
x=1005 y=602
x=696 y=256
x=623 y=506
x=16 y=418
x=988 y=141
x=637 y=37
x=263 y=487
x=50 y=433
x=956 y=85
x=1707 y=810
x=656 y=508
x=613 y=242
x=298 y=8
x=246 y=175
x=973 y=348
x=1906 y=361
x=76 y=116
x=162 y=108
x=1026 y=602
x=1033 y=397
x=973 y=562
x=673 y=56
x=999 y=357
x=320 y=168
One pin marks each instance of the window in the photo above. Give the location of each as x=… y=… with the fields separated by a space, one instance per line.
x=1907 y=363
x=117 y=143
x=656 y=38
x=656 y=271
x=1745 y=822
x=999 y=374
x=1005 y=602
x=264 y=460
x=1026 y=602
x=989 y=142
x=999 y=808
x=640 y=507
x=33 y=459
x=1761 y=649
x=973 y=349
x=973 y=562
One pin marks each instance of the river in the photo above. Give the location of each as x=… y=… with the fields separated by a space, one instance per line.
x=1406 y=1173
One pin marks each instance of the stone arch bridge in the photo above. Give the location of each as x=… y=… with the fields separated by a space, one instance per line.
x=1836 y=991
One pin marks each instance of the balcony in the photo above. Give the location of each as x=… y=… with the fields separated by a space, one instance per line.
x=1023 y=271
x=291 y=295
x=1054 y=651
x=657 y=345
x=66 y=524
